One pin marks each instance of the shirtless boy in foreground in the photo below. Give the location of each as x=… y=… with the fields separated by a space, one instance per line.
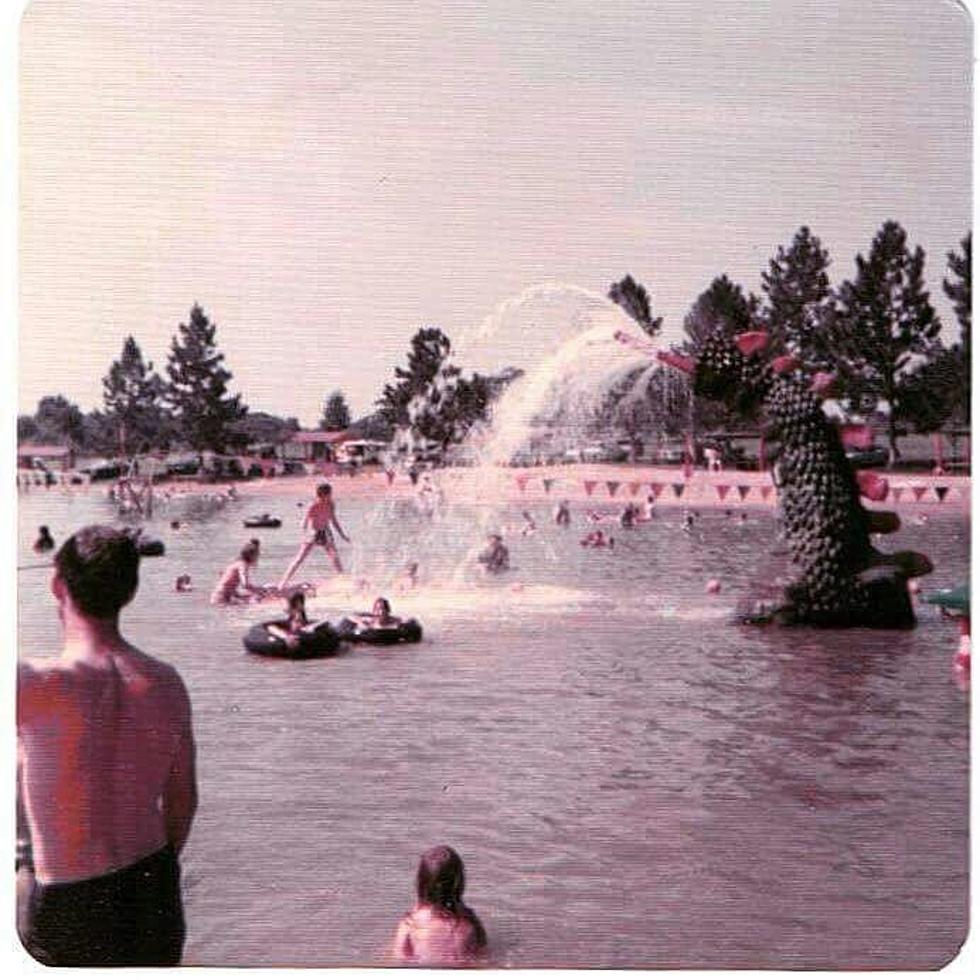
x=106 y=779
x=320 y=516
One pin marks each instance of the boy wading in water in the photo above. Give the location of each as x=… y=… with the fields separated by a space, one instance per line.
x=106 y=784
x=319 y=519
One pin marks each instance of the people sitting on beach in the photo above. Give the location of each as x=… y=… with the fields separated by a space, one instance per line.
x=409 y=578
x=597 y=539
x=529 y=526
x=563 y=515
x=495 y=557
x=440 y=930
x=183 y=583
x=44 y=540
x=234 y=585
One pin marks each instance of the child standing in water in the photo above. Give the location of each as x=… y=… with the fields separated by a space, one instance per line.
x=440 y=930
x=319 y=518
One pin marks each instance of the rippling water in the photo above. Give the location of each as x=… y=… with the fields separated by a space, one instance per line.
x=631 y=780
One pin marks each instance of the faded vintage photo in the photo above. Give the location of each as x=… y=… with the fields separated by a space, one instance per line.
x=493 y=483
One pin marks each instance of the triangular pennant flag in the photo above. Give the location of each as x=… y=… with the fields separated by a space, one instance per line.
x=548 y=481
x=941 y=493
x=678 y=489
x=521 y=482
x=765 y=491
x=634 y=487
x=743 y=491
x=897 y=493
x=656 y=489
x=589 y=486
x=917 y=492
x=722 y=490
x=612 y=486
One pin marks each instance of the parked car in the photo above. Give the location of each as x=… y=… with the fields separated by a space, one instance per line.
x=865 y=458
x=104 y=469
x=183 y=465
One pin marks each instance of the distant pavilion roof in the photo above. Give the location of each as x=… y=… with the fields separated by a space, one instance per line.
x=316 y=435
x=32 y=449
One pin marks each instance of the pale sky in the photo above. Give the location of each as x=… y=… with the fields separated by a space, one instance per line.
x=326 y=178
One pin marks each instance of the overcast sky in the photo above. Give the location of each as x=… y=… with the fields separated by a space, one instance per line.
x=325 y=178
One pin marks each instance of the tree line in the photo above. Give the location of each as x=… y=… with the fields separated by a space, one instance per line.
x=878 y=331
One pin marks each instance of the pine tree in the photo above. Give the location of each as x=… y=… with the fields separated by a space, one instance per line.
x=198 y=386
x=633 y=298
x=336 y=414
x=430 y=349
x=799 y=299
x=131 y=394
x=885 y=320
x=959 y=290
x=722 y=306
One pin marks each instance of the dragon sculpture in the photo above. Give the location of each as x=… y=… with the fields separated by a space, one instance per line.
x=844 y=581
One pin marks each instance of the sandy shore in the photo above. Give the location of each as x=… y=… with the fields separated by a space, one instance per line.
x=599 y=484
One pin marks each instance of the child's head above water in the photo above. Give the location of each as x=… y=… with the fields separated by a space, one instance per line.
x=440 y=879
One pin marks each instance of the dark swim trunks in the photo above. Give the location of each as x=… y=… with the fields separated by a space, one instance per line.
x=131 y=917
x=324 y=536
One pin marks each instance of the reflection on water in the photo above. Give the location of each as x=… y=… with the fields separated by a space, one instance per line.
x=631 y=780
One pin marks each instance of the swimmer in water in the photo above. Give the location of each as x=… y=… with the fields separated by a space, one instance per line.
x=628 y=516
x=175 y=525
x=646 y=514
x=688 y=524
x=563 y=516
x=529 y=526
x=440 y=930
x=495 y=557
x=409 y=578
x=234 y=585
x=380 y=615
x=183 y=583
x=44 y=540
x=296 y=620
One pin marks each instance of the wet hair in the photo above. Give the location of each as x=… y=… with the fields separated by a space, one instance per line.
x=250 y=553
x=323 y=490
x=43 y=531
x=385 y=606
x=440 y=879
x=297 y=601
x=100 y=568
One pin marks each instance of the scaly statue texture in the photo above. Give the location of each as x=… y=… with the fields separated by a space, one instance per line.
x=844 y=581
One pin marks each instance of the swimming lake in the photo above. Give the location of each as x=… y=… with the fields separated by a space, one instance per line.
x=631 y=779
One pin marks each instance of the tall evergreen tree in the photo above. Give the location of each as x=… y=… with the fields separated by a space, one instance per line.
x=336 y=414
x=633 y=298
x=885 y=320
x=799 y=298
x=198 y=388
x=426 y=361
x=959 y=290
x=132 y=393
x=723 y=305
